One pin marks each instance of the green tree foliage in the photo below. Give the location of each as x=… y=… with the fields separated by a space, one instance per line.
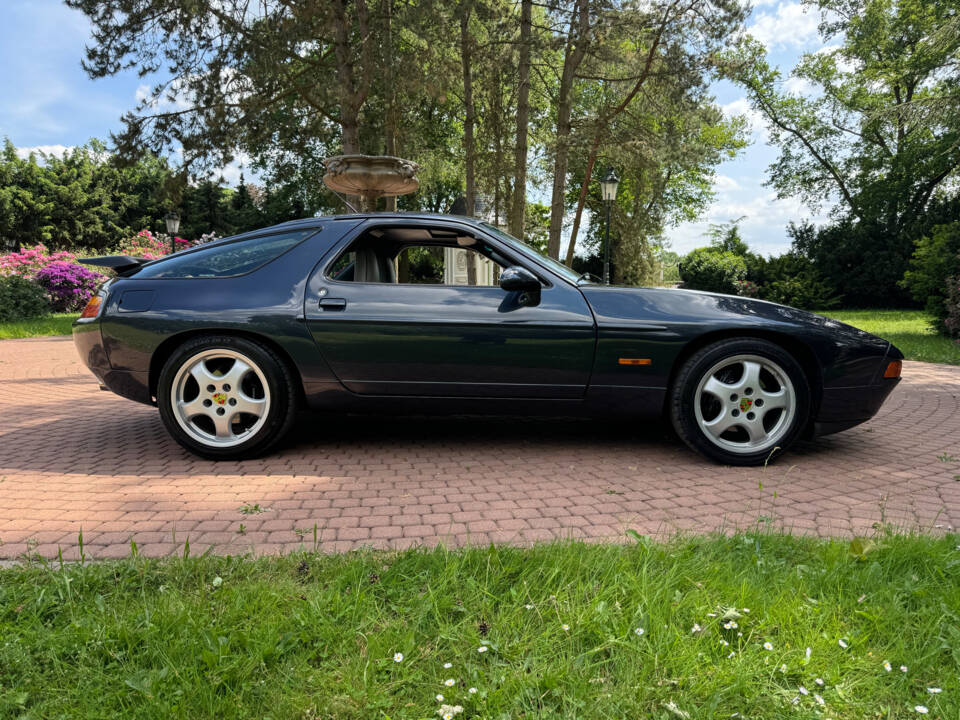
x=856 y=134
x=934 y=268
x=713 y=270
x=21 y=299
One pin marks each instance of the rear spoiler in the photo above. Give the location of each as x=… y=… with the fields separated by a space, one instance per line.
x=121 y=264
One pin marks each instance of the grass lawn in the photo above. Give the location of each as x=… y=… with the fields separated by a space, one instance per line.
x=58 y=324
x=909 y=330
x=570 y=631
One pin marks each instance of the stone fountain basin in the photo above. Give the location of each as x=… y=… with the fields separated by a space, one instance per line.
x=371 y=176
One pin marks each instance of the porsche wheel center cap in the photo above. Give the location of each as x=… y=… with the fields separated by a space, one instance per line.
x=220 y=398
x=745 y=404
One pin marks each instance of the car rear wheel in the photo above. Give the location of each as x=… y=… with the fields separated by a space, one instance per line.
x=226 y=397
x=740 y=401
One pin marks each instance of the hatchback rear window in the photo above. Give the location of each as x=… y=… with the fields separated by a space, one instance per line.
x=227 y=260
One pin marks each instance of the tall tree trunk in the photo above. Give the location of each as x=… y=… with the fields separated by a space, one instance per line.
x=390 y=118
x=468 y=139
x=519 y=207
x=573 y=55
x=584 y=189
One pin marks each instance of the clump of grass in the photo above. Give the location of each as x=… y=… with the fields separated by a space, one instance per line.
x=909 y=330
x=56 y=324
x=705 y=627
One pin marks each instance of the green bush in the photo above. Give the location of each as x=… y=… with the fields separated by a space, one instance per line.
x=936 y=258
x=21 y=299
x=713 y=270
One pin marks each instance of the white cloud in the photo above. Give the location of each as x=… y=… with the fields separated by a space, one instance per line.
x=791 y=25
x=724 y=182
x=799 y=86
x=54 y=150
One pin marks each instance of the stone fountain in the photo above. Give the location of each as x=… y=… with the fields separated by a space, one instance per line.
x=370 y=177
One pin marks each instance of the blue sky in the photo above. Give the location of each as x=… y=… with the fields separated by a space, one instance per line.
x=50 y=103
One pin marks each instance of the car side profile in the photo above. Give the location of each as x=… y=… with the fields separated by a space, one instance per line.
x=413 y=313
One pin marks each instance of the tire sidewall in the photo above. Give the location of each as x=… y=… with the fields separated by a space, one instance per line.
x=278 y=383
x=683 y=412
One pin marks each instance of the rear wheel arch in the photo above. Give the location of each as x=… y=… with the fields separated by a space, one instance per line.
x=165 y=349
x=797 y=348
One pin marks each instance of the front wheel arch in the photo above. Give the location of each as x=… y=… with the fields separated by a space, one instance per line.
x=801 y=352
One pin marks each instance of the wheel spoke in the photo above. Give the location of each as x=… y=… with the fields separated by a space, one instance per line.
x=772 y=401
x=235 y=374
x=252 y=406
x=755 y=430
x=194 y=407
x=720 y=424
x=719 y=390
x=203 y=376
x=223 y=423
x=751 y=376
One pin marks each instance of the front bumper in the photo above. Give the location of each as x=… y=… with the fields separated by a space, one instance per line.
x=843 y=408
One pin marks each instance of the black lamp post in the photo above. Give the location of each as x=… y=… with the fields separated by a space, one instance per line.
x=608 y=189
x=172 y=219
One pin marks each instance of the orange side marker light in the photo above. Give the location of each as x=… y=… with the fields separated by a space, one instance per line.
x=635 y=361
x=893 y=369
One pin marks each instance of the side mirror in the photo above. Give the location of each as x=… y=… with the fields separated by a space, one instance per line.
x=518 y=278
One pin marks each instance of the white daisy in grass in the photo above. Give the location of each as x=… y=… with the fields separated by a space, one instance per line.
x=472 y=691
x=447 y=715
x=447 y=666
x=783 y=668
x=842 y=643
x=819 y=681
x=449 y=682
x=796 y=700
x=528 y=606
x=808 y=653
x=747 y=610
x=887 y=666
x=439 y=698
x=803 y=690
x=638 y=631
x=565 y=627
x=903 y=668
x=819 y=699
x=934 y=690
x=696 y=628
x=732 y=653
x=482 y=649
x=922 y=709
x=398 y=657
x=768 y=646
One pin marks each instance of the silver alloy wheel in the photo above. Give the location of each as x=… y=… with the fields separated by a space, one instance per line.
x=220 y=397
x=745 y=404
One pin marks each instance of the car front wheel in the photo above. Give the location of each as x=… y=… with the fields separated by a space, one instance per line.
x=225 y=397
x=740 y=401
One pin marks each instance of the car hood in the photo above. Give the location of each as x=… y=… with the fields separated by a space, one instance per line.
x=632 y=307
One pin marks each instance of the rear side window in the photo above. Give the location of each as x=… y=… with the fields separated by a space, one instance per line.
x=236 y=258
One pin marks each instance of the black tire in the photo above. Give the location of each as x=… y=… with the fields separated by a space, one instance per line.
x=281 y=409
x=683 y=403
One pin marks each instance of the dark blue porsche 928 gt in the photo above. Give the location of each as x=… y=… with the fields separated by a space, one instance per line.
x=409 y=313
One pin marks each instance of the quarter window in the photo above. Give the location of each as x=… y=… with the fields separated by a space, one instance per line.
x=227 y=260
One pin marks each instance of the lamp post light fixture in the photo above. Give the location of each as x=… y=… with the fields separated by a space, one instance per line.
x=172 y=219
x=608 y=190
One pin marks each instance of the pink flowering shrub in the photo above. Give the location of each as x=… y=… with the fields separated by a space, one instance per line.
x=147 y=245
x=68 y=286
x=28 y=261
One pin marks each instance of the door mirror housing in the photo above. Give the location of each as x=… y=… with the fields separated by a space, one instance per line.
x=518 y=278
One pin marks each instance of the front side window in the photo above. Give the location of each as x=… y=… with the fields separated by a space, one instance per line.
x=418 y=256
x=227 y=260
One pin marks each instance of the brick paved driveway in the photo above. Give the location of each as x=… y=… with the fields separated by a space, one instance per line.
x=73 y=457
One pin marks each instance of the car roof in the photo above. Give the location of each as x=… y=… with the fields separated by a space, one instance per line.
x=399 y=215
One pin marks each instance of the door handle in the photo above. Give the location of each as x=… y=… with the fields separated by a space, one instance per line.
x=333 y=304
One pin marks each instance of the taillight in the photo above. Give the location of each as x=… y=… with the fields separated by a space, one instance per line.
x=893 y=369
x=93 y=308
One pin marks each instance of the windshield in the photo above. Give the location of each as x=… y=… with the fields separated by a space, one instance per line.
x=522 y=247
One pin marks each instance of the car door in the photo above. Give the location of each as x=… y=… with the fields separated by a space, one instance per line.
x=450 y=340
